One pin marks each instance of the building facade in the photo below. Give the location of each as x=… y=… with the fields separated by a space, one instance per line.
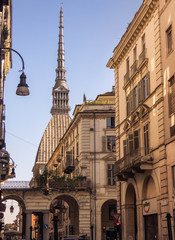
x=5 y=65
x=144 y=78
x=167 y=24
x=85 y=155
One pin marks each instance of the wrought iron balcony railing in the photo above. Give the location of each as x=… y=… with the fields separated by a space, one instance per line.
x=69 y=163
x=126 y=77
x=134 y=67
x=133 y=162
x=142 y=56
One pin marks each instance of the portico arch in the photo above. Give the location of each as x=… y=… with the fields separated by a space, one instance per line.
x=22 y=208
x=130 y=213
x=108 y=208
x=64 y=216
x=150 y=210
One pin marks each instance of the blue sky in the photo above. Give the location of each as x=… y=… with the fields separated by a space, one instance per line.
x=92 y=29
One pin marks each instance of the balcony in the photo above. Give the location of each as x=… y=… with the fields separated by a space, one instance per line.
x=134 y=67
x=126 y=77
x=142 y=56
x=2 y=135
x=69 y=166
x=132 y=163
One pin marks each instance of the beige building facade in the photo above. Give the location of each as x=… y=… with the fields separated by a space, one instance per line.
x=85 y=157
x=143 y=67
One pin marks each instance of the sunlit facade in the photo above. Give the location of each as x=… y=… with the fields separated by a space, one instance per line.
x=143 y=63
x=85 y=159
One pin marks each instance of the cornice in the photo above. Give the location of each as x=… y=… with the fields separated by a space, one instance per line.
x=138 y=23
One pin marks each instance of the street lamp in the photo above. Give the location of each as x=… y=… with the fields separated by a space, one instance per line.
x=22 y=88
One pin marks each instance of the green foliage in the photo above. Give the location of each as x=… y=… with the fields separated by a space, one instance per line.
x=58 y=181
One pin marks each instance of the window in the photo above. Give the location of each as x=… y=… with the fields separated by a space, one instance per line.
x=169 y=40
x=111 y=143
x=110 y=122
x=127 y=65
x=110 y=174
x=146 y=139
x=135 y=98
x=171 y=95
x=143 y=42
x=135 y=54
x=131 y=145
x=144 y=88
x=127 y=106
x=77 y=149
x=173 y=177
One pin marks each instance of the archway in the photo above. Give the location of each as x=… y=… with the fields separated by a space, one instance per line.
x=150 y=208
x=64 y=217
x=15 y=205
x=107 y=219
x=131 y=213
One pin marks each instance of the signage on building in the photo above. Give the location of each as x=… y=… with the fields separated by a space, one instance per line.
x=150 y=206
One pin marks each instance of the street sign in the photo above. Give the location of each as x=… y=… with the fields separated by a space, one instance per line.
x=116 y=216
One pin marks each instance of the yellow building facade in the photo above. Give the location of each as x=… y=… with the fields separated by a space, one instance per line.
x=143 y=63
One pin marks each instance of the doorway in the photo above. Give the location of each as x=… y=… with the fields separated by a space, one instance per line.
x=151 y=227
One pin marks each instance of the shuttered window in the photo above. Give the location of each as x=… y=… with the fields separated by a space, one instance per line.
x=131 y=144
x=146 y=139
x=111 y=143
x=171 y=95
x=110 y=122
x=169 y=39
x=110 y=174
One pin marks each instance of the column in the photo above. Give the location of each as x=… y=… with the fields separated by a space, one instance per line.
x=28 y=224
x=45 y=225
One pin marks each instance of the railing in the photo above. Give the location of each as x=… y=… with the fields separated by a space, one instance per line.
x=131 y=160
x=126 y=77
x=142 y=56
x=69 y=166
x=134 y=67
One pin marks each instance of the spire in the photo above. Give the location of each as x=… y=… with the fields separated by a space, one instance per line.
x=60 y=91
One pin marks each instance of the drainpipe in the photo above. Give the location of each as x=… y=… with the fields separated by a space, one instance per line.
x=95 y=210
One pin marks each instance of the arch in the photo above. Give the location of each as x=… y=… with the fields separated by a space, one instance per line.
x=130 y=194
x=135 y=186
x=150 y=180
x=130 y=212
x=15 y=197
x=64 y=206
x=108 y=208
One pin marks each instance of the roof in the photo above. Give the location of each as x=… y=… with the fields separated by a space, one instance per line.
x=15 y=184
x=54 y=131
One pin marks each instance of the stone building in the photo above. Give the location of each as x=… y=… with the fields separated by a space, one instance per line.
x=5 y=65
x=167 y=23
x=85 y=157
x=143 y=63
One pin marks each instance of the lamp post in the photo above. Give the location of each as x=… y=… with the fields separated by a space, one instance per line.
x=22 y=90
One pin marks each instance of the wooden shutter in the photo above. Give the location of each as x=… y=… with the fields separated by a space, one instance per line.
x=148 y=83
x=139 y=91
x=103 y=143
x=136 y=140
x=131 y=101
x=131 y=144
x=124 y=147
